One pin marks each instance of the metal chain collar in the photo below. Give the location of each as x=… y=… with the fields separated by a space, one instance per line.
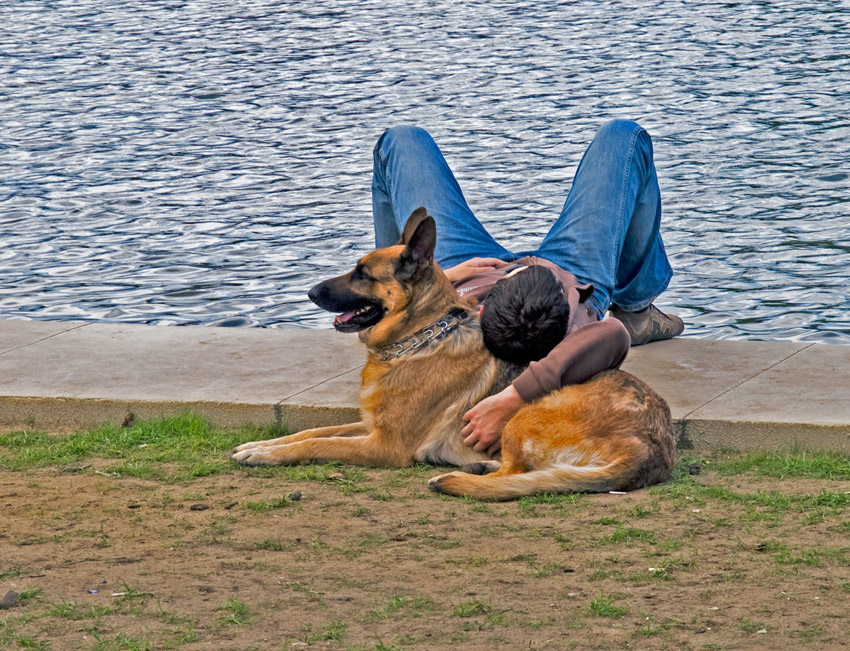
x=433 y=332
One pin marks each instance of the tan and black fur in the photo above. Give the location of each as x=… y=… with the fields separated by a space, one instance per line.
x=612 y=432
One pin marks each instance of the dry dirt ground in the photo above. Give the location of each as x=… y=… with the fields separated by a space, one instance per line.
x=335 y=557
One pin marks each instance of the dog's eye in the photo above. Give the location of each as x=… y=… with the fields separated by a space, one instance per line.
x=359 y=273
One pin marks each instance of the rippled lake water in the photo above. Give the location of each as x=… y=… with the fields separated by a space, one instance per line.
x=206 y=162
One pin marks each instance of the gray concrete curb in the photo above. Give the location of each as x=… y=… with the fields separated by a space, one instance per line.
x=67 y=375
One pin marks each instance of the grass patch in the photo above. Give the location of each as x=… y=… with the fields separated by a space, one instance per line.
x=234 y=612
x=815 y=465
x=776 y=501
x=270 y=505
x=414 y=606
x=273 y=545
x=750 y=626
x=334 y=630
x=65 y=610
x=606 y=521
x=627 y=534
x=650 y=627
x=176 y=449
x=604 y=606
x=471 y=608
x=179 y=448
x=547 y=569
x=72 y=610
x=30 y=593
x=14 y=572
x=124 y=642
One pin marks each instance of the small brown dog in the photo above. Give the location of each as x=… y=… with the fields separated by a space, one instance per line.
x=427 y=365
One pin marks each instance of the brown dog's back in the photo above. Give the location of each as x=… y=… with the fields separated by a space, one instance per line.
x=612 y=432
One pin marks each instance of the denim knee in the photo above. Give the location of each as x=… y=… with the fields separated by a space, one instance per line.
x=401 y=136
x=624 y=133
x=619 y=128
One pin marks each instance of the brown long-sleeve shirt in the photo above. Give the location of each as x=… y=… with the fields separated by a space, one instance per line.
x=589 y=347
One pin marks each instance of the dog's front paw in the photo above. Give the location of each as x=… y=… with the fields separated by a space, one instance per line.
x=261 y=444
x=442 y=483
x=246 y=446
x=254 y=456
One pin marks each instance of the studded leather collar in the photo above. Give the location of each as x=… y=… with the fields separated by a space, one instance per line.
x=433 y=332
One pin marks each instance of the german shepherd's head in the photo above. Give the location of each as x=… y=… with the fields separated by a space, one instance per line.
x=383 y=284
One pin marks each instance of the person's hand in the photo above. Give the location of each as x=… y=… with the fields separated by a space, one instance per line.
x=486 y=420
x=471 y=267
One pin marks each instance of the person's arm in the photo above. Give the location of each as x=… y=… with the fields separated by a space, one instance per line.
x=486 y=420
x=471 y=267
x=585 y=352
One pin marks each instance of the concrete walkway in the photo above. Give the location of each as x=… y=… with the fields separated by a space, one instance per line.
x=63 y=375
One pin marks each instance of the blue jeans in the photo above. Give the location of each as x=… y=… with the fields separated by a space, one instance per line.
x=607 y=233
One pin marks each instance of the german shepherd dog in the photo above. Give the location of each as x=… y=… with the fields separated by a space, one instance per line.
x=427 y=365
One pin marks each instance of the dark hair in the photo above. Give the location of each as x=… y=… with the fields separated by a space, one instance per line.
x=525 y=316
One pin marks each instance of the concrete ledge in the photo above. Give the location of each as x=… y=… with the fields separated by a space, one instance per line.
x=768 y=437
x=65 y=414
x=66 y=375
x=298 y=417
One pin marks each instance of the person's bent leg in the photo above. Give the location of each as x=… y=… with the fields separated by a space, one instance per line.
x=410 y=171
x=608 y=231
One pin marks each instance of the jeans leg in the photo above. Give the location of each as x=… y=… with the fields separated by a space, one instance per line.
x=608 y=231
x=410 y=171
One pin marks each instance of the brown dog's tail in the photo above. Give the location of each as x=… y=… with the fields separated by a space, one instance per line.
x=560 y=478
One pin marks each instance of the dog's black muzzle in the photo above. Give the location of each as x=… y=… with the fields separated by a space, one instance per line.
x=356 y=312
x=319 y=295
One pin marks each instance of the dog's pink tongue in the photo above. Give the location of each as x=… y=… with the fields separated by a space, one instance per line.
x=342 y=318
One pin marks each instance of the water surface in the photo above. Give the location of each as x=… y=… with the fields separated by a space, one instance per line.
x=207 y=162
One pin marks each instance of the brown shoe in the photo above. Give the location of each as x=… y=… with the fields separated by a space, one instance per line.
x=648 y=325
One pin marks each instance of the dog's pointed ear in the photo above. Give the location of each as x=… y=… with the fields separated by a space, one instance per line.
x=412 y=223
x=418 y=254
